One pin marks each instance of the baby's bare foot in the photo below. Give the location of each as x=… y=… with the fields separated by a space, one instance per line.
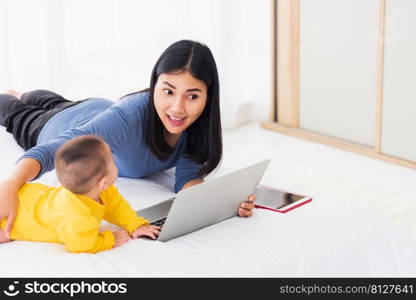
x=3 y=237
x=15 y=93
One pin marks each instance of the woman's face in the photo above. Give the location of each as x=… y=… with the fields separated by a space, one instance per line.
x=179 y=100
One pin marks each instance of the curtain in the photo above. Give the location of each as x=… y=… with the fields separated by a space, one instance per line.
x=107 y=48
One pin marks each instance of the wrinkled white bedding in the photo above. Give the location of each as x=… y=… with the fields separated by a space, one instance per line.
x=320 y=239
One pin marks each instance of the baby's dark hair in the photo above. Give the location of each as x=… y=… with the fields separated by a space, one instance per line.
x=81 y=163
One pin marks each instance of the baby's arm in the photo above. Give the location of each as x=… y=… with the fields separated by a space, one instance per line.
x=80 y=233
x=119 y=211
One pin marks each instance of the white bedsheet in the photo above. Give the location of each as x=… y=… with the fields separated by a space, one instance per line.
x=320 y=239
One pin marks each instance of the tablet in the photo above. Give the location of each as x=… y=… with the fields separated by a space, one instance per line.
x=279 y=200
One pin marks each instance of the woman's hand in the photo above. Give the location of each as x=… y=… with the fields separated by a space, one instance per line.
x=25 y=170
x=146 y=230
x=8 y=205
x=246 y=207
x=121 y=237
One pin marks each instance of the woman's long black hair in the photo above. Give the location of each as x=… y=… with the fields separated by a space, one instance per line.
x=204 y=140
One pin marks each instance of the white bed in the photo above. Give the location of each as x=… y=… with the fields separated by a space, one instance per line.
x=321 y=239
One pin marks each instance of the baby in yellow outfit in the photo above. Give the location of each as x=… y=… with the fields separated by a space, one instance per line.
x=71 y=214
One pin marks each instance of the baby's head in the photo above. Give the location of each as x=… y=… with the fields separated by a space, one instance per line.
x=85 y=164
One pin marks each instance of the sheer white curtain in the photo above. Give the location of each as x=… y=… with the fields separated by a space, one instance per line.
x=107 y=48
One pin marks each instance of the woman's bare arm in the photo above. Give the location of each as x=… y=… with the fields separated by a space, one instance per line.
x=192 y=182
x=25 y=170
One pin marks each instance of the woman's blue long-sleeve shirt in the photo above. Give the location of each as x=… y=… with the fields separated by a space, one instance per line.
x=122 y=125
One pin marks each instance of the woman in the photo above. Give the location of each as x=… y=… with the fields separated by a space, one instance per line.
x=174 y=123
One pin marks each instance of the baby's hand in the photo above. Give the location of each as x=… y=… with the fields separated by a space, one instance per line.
x=146 y=230
x=121 y=237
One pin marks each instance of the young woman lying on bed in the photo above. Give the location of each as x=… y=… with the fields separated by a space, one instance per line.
x=174 y=123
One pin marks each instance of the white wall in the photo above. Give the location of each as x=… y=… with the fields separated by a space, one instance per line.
x=399 y=99
x=338 y=68
x=107 y=48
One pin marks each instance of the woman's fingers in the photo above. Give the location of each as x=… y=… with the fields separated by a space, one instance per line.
x=9 y=224
x=247 y=205
x=8 y=205
x=242 y=212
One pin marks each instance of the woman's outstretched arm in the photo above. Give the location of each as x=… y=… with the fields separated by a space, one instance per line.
x=25 y=170
x=40 y=159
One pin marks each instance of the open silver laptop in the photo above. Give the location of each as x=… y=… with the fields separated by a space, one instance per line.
x=205 y=204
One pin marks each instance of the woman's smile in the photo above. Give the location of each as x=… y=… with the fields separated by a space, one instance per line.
x=175 y=121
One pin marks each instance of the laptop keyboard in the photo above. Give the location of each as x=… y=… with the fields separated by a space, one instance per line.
x=159 y=222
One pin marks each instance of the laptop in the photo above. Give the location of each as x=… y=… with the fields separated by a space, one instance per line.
x=206 y=203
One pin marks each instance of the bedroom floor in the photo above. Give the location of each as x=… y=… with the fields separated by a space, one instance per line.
x=345 y=179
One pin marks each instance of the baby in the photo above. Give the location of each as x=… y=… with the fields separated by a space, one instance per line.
x=71 y=214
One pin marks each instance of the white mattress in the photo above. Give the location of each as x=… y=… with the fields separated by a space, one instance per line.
x=320 y=239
